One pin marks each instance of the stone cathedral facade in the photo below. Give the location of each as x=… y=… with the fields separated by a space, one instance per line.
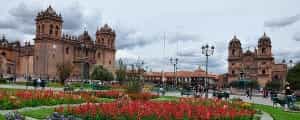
x=254 y=65
x=52 y=47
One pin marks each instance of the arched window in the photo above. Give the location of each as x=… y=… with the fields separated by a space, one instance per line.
x=99 y=55
x=276 y=77
x=39 y=29
x=263 y=50
x=110 y=62
x=233 y=52
x=232 y=72
x=67 y=50
x=43 y=28
x=3 y=54
x=102 y=40
x=56 y=31
x=86 y=53
x=263 y=71
x=51 y=29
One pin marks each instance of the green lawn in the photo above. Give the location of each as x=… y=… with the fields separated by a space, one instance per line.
x=2 y=117
x=42 y=113
x=278 y=113
x=105 y=100
x=166 y=98
x=55 y=85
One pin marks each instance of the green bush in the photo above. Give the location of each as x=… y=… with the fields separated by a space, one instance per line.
x=2 y=117
x=64 y=71
x=2 y=80
x=274 y=85
x=293 y=76
x=134 y=86
x=100 y=73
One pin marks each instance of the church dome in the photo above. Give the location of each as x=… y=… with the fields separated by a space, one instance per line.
x=85 y=36
x=106 y=29
x=49 y=13
x=264 y=40
x=235 y=42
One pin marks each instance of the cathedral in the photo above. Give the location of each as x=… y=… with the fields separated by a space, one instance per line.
x=254 y=65
x=51 y=47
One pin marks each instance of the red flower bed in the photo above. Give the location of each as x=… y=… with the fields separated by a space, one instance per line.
x=192 y=109
x=30 y=98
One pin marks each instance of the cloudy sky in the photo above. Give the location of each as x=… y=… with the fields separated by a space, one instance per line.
x=185 y=25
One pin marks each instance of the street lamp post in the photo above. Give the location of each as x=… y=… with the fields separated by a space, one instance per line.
x=53 y=54
x=174 y=62
x=207 y=51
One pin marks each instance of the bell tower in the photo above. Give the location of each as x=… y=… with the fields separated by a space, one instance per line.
x=48 y=33
x=106 y=36
x=235 y=48
x=105 y=40
x=264 y=46
x=48 y=24
x=264 y=59
x=235 y=54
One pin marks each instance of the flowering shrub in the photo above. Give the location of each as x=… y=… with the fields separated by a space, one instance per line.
x=31 y=98
x=188 y=109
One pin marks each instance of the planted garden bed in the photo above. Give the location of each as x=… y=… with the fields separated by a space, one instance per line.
x=187 y=108
x=13 y=99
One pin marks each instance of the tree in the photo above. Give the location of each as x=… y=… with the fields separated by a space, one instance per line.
x=64 y=71
x=293 y=76
x=134 y=85
x=274 y=85
x=121 y=72
x=100 y=73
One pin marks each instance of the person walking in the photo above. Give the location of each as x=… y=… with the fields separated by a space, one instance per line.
x=43 y=84
x=289 y=95
x=248 y=92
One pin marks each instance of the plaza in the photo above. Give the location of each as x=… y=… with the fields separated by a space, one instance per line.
x=73 y=63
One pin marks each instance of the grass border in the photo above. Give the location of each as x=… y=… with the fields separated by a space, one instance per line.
x=278 y=113
x=41 y=113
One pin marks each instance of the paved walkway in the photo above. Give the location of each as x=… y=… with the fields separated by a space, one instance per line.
x=255 y=99
x=15 y=86
x=265 y=116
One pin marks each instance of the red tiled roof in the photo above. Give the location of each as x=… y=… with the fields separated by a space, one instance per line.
x=196 y=73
